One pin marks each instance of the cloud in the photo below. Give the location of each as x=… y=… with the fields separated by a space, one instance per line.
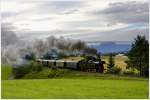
x=59 y=7
x=88 y=20
x=115 y=35
x=127 y=12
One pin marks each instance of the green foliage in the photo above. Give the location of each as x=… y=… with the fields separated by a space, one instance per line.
x=139 y=55
x=111 y=63
x=24 y=69
x=114 y=70
x=46 y=73
x=6 y=71
x=79 y=45
x=21 y=70
x=57 y=73
x=129 y=72
x=98 y=55
x=35 y=66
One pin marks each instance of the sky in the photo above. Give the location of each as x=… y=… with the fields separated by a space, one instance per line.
x=87 y=20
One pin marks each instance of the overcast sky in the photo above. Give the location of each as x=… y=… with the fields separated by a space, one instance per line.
x=88 y=20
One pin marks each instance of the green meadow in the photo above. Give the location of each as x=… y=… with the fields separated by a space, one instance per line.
x=84 y=85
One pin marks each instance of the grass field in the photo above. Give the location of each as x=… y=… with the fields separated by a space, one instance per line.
x=74 y=88
x=6 y=71
x=84 y=85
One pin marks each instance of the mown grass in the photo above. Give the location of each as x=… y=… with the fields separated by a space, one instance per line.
x=75 y=88
x=6 y=71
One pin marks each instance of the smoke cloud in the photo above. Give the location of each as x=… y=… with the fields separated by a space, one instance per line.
x=14 y=49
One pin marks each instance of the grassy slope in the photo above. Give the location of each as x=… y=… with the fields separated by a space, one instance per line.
x=66 y=73
x=77 y=85
x=6 y=72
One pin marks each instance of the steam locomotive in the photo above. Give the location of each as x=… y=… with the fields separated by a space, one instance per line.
x=70 y=64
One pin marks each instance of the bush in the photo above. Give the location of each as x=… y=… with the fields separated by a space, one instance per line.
x=133 y=72
x=46 y=73
x=128 y=72
x=38 y=75
x=111 y=63
x=114 y=70
x=21 y=70
x=56 y=73
x=36 y=66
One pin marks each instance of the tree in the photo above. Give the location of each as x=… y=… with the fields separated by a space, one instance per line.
x=111 y=63
x=99 y=56
x=89 y=50
x=79 y=45
x=112 y=68
x=139 y=55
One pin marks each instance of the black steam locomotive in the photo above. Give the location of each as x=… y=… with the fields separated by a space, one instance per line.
x=82 y=65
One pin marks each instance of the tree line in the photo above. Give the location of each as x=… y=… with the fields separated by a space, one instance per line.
x=138 y=57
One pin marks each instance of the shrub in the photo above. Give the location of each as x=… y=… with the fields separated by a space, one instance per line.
x=128 y=72
x=21 y=70
x=38 y=75
x=56 y=73
x=114 y=70
x=46 y=73
x=133 y=72
x=36 y=66
x=111 y=63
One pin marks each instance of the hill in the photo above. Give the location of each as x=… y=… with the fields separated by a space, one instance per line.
x=109 y=47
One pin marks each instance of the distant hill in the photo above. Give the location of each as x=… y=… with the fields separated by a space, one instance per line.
x=109 y=47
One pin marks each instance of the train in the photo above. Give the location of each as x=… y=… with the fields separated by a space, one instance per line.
x=81 y=65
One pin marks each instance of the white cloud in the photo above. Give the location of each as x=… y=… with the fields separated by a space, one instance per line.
x=15 y=6
x=73 y=19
